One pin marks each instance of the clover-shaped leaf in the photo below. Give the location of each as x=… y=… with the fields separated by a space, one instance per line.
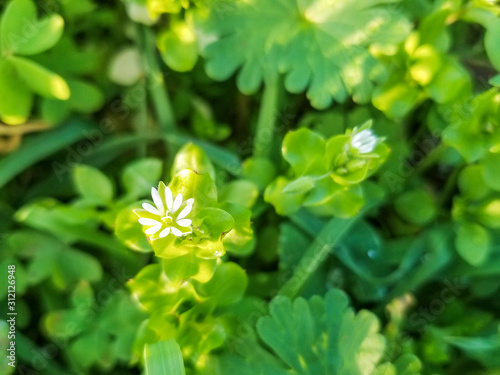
x=322 y=336
x=303 y=40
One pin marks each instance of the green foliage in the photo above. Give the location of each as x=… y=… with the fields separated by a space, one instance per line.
x=175 y=223
x=266 y=38
x=327 y=174
x=164 y=357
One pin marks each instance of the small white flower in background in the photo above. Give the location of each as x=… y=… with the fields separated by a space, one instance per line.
x=364 y=141
x=168 y=221
x=140 y=14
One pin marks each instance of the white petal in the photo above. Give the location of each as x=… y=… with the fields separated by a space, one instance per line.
x=184 y=222
x=177 y=202
x=146 y=221
x=151 y=209
x=176 y=232
x=168 y=197
x=164 y=233
x=190 y=201
x=157 y=200
x=185 y=211
x=153 y=230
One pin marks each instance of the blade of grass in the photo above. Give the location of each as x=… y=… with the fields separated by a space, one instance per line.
x=156 y=83
x=163 y=358
x=317 y=252
x=38 y=146
x=267 y=117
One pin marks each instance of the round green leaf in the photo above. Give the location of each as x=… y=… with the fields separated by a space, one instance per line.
x=471 y=182
x=304 y=150
x=226 y=286
x=93 y=185
x=473 y=243
x=179 y=47
x=139 y=176
x=416 y=206
x=491 y=170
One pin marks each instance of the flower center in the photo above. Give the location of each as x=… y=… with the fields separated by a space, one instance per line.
x=167 y=220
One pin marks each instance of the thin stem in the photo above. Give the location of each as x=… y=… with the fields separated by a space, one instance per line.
x=450 y=185
x=267 y=117
x=317 y=252
x=156 y=83
x=432 y=158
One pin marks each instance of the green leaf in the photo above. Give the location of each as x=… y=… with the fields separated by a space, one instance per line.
x=93 y=185
x=215 y=222
x=16 y=100
x=416 y=206
x=495 y=81
x=396 y=99
x=88 y=348
x=284 y=203
x=163 y=358
x=226 y=286
x=140 y=175
x=452 y=72
x=471 y=182
x=22 y=33
x=304 y=150
x=239 y=241
x=190 y=184
x=473 y=243
x=179 y=47
x=188 y=266
x=292 y=245
x=491 y=170
x=300 y=186
x=485 y=350
x=192 y=157
x=322 y=336
x=130 y=232
x=242 y=192
x=41 y=80
x=261 y=171
x=491 y=43
x=85 y=97
x=302 y=40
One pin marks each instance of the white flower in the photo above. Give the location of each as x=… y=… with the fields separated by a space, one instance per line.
x=165 y=219
x=364 y=141
x=140 y=14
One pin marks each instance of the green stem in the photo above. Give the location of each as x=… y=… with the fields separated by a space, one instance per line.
x=267 y=117
x=431 y=159
x=450 y=185
x=156 y=83
x=317 y=252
